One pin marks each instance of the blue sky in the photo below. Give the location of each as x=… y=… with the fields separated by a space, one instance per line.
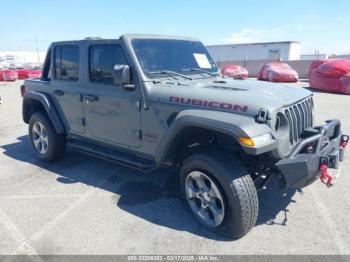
x=322 y=24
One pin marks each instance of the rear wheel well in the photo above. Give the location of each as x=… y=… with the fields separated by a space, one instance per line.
x=191 y=139
x=31 y=106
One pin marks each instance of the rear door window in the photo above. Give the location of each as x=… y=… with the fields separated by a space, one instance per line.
x=67 y=62
x=102 y=59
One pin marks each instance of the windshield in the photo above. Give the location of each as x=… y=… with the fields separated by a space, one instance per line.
x=184 y=57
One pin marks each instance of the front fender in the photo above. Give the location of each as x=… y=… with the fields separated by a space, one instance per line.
x=48 y=106
x=228 y=123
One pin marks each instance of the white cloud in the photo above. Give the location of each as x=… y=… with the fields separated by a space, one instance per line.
x=309 y=30
x=245 y=36
x=308 y=34
x=342 y=19
x=313 y=17
x=305 y=27
x=278 y=33
x=249 y=35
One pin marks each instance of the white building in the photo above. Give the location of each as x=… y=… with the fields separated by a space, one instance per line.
x=19 y=58
x=288 y=50
x=342 y=56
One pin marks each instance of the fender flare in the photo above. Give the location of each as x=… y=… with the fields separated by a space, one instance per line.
x=232 y=124
x=49 y=107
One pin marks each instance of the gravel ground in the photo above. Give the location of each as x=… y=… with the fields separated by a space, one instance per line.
x=83 y=205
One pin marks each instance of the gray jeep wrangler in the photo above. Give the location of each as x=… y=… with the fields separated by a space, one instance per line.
x=148 y=101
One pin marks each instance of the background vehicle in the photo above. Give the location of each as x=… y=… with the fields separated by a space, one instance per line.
x=149 y=101
x=278 y=72
x=8 y=75
x=24 y=73
x=332 y=75
x=235 y=71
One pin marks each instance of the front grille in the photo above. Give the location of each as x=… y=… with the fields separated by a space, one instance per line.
x=300 y=117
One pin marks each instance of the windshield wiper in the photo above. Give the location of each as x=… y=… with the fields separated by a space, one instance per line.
x=198 y=70
x=168 y=72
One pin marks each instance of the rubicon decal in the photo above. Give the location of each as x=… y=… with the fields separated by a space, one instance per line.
x=209 y=104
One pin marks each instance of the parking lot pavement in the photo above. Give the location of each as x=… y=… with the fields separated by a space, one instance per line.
x=83 y=205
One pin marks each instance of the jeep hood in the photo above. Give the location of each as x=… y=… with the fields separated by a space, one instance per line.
x=226 y=94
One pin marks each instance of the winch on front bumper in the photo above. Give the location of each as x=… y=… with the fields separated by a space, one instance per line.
x=319 y=148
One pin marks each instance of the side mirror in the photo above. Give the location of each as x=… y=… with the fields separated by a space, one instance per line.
x=121 y=75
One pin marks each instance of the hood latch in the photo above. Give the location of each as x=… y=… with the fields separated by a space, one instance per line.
x=262 y=116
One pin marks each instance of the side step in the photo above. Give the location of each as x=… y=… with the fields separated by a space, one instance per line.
x=118 y=157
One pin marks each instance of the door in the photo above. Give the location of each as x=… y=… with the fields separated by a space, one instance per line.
x=112 y=114
x=66 y=85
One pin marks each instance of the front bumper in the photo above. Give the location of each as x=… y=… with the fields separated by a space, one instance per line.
x=302 y=166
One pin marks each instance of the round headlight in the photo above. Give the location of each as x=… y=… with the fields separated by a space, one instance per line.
x=281 y=124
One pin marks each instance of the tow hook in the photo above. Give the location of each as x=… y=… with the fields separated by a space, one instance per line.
x=325 y=177
x=343 y=144
x=344 y=141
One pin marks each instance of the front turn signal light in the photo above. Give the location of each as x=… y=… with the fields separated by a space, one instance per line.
x=247 y=141
x=256 y=141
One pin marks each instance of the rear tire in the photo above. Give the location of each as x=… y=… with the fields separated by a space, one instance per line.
x=47 y=144
x=234 y=185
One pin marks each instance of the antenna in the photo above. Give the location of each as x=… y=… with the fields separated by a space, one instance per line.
x=37 y=49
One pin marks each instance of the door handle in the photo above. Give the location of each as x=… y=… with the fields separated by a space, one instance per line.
x=91 y=98
x=58 y=92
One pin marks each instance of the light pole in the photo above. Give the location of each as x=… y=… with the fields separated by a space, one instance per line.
x=37 y=49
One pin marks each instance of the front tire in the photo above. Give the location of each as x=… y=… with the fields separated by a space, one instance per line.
x=47 y=144
x=219 y=192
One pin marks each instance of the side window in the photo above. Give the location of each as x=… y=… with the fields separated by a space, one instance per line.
x=67 y=62
x=102 y=60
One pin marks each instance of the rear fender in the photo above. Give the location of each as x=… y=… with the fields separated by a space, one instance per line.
x=32 y=97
